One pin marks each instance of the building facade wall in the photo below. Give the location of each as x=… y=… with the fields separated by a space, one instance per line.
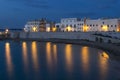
x=35 y=26
x=75 y=24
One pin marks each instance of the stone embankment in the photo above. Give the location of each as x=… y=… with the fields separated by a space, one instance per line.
x=111 y=48
x=89 y=39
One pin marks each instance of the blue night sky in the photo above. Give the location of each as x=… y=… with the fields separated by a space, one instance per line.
x=15 y=13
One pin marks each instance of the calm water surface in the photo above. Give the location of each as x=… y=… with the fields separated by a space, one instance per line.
x=55 y=61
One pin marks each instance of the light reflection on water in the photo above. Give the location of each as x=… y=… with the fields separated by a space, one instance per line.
x=68 y=57
x=8 y=59
x=103 y=65
x=54 y=61
x=49 y=54
x=34 y=55
x=54 y=47
x=85 y=59
x=25 y=55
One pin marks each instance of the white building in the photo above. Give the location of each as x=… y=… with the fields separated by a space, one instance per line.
x=36 y=26
x=32 y=26
x=39 y=26
x=103 y=25
x=74 y=24
x=69 y=24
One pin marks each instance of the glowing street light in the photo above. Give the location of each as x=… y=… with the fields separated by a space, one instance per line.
x=118 y=29
x=34 y=29
x=54 y=29
x=48 y=29
x=6 y=31
x=68 y=28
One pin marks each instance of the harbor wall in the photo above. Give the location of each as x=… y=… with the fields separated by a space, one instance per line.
x=66 y=35
x=80 y=38
x=57 y=35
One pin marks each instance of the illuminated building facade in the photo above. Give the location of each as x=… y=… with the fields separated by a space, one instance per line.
x=69 y=25
x=74 y=25
x=35 y=26
x=103 y=25
x=40 y=26
x=87 y=25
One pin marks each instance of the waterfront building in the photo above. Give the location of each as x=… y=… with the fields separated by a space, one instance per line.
x=85 y=25
x=103 y=25
x=32 y=26
x=42 y=26
x=68 y=24
x=74 y=25
x=36 y=26
x=39 y=26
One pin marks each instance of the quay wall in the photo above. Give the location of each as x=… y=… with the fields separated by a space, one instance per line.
x=67 y=35
x=57 y=35
x=81 y=38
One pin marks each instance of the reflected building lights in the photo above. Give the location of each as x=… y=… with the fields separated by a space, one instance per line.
x=8 y=58
x=48 y=54
x=103 y=64
x=68 y=57
x=34 y=55
x=25 y=56
x=55 y=52
x=85 y=59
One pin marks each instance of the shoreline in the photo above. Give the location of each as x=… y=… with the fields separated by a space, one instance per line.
x=112 y=49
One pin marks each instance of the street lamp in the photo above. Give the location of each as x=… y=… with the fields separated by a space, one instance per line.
x=6 y=31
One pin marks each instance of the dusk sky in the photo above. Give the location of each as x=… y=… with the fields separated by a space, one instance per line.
x=15 y=13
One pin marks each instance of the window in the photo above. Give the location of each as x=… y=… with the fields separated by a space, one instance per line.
x=57 y=26
x=74 y=26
